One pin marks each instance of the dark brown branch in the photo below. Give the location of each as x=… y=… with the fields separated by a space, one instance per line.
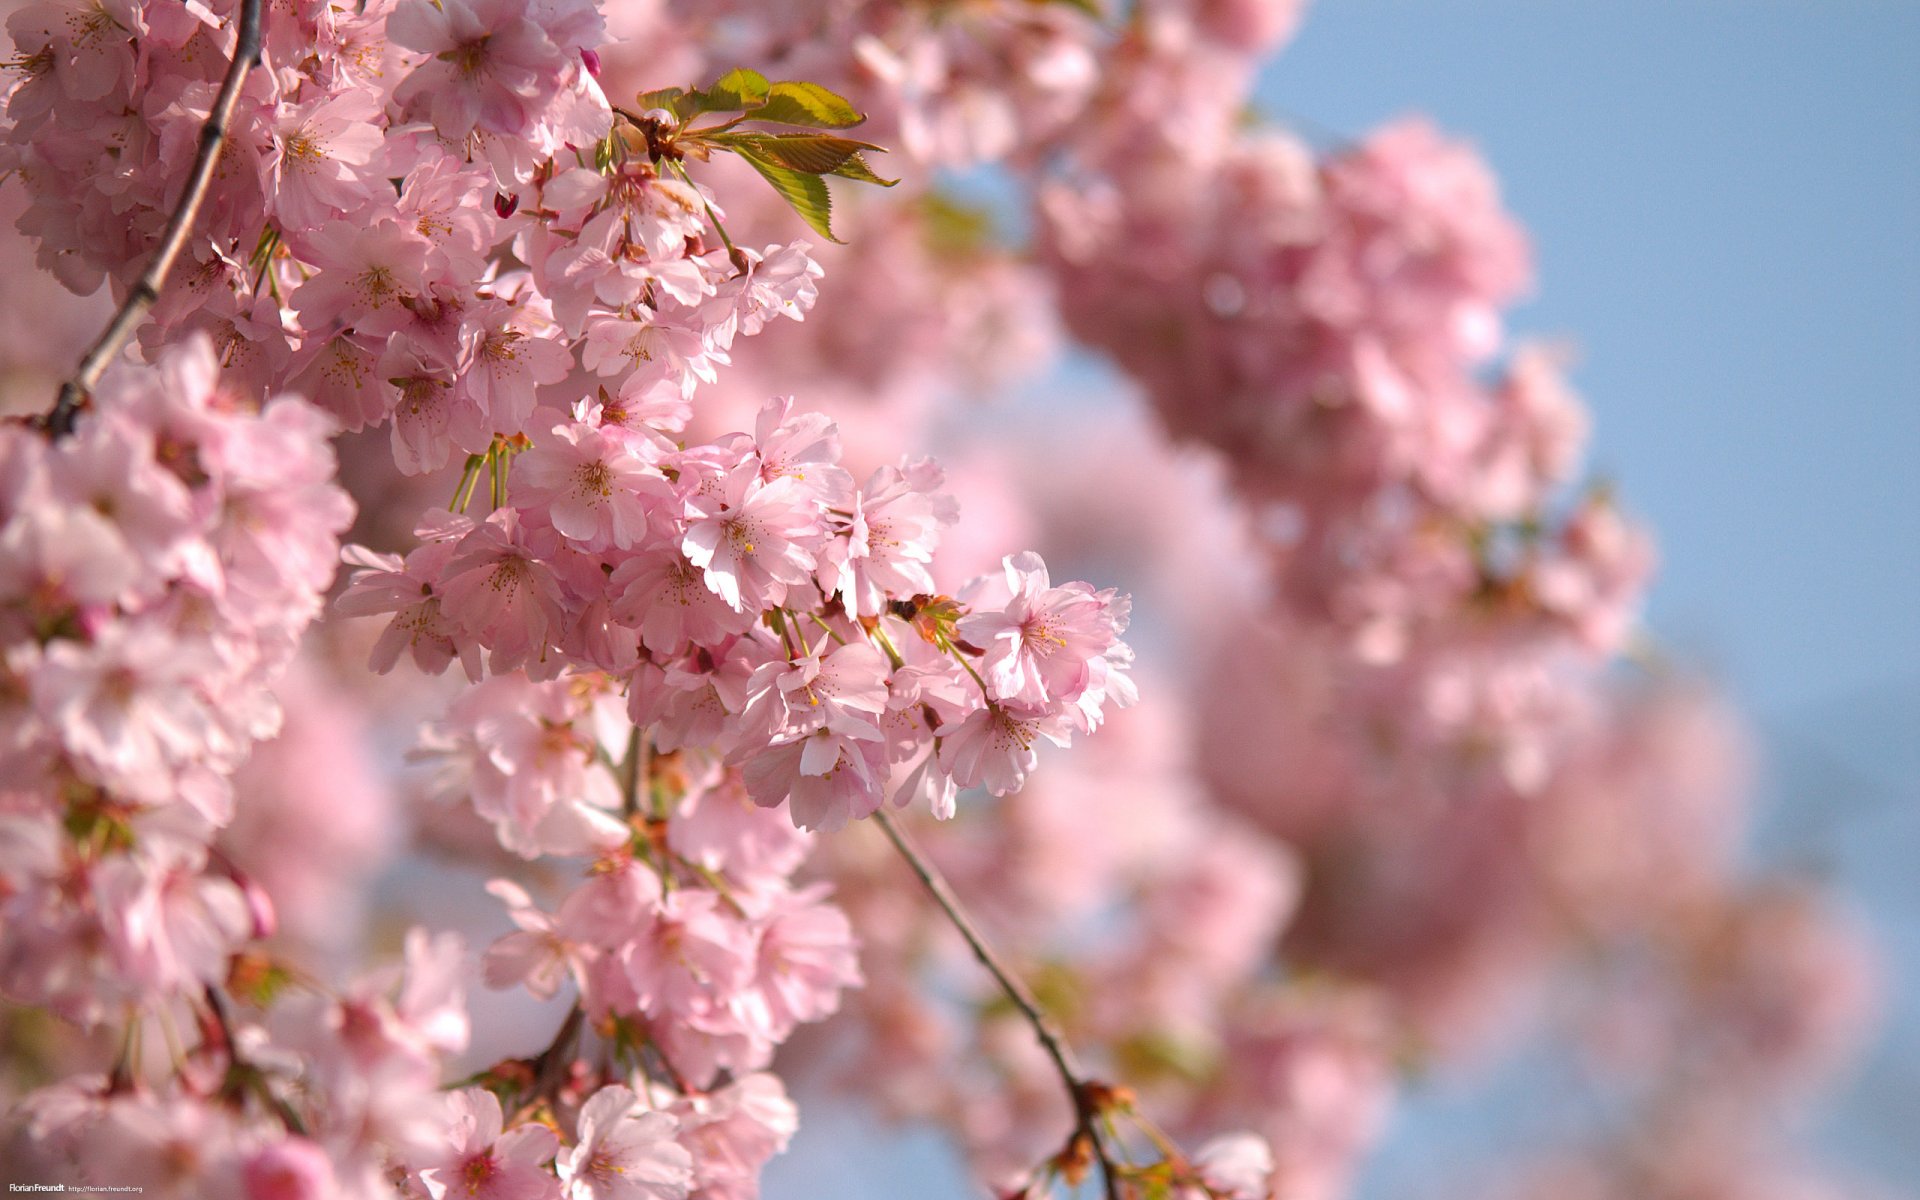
x=146 y=290
x=551 y=1065
x=1087 y=1096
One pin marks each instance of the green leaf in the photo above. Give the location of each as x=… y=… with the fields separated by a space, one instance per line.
x=813 y=153
x=667 y=98
x=856 y=168
x=738 y=90
x=806 y=193
x=796 y=102
x=1089 y=7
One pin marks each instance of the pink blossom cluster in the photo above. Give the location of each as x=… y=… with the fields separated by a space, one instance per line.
x=980 y=328
x=310 y=268
x=423 y=214
x=1405 y=793
x=755 y=604
x=372 y=1120
x=1324 y=324
x=686 y=929
x=374 y=1095
x=611 y=520
x=156 y=572
x=971 y=84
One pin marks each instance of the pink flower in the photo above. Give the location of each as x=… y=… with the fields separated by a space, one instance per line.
x=650 y=348
x=322 y=167
x=490 y=62
x=282 y=513
x=890 y=539
x=632 y=208
x=292 y=1168
x=624 y=1154
x=781 y=281
x=807 y=957
x=407 y=588
x=107 y=472
x=826 y=778
x=437 y=200
x=666 y=597
x=365 y=272
x=82 y=50
x=528 y=757
x=691 y=958
x=501 y=588
x=515 y=353
x=720 y=828
x=1040 y=646
x=733 y=1132
x=591 y=484
x=538 y=954
x=430 y=1010
x=130 y=705
x=994 y=745
x=806 y=446
x=693 y=702
x=341 y=374
x=55 y=560
x=845 y=690
x=432 y=416
x=170 y=927
x=483 y=1163
x=1237 y=1166
x=175 y=1143
x=753 y=540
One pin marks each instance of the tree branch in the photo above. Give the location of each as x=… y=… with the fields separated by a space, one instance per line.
x=1085 y=1094
x=242 y=1075
x=146 y=290
x=550 y=1066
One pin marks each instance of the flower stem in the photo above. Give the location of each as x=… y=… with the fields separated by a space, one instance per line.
x=634 y=772
x=1081 y=1091
x=734 y=255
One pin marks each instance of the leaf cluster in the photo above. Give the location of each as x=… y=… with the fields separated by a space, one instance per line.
x=781 y=128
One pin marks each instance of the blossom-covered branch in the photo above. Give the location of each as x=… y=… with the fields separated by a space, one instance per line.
x=1088 y=1097
x=145 y=292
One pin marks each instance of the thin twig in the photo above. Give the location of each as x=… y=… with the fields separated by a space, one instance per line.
x=551 y=1065
x=243 y=1076
x=634 y=772
x=1081 y=1091
x=734 y=255
x=146 y=289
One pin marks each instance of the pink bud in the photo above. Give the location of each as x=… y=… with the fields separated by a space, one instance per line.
x=295 y=1169
x=593 y=62
x=503 y=206
x=259 y=906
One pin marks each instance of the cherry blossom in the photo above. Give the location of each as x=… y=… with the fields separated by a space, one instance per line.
x=705 y=635
x=624 y=1154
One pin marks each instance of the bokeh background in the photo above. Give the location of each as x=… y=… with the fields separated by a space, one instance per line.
x=1725 y=202
x=1725 y=205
